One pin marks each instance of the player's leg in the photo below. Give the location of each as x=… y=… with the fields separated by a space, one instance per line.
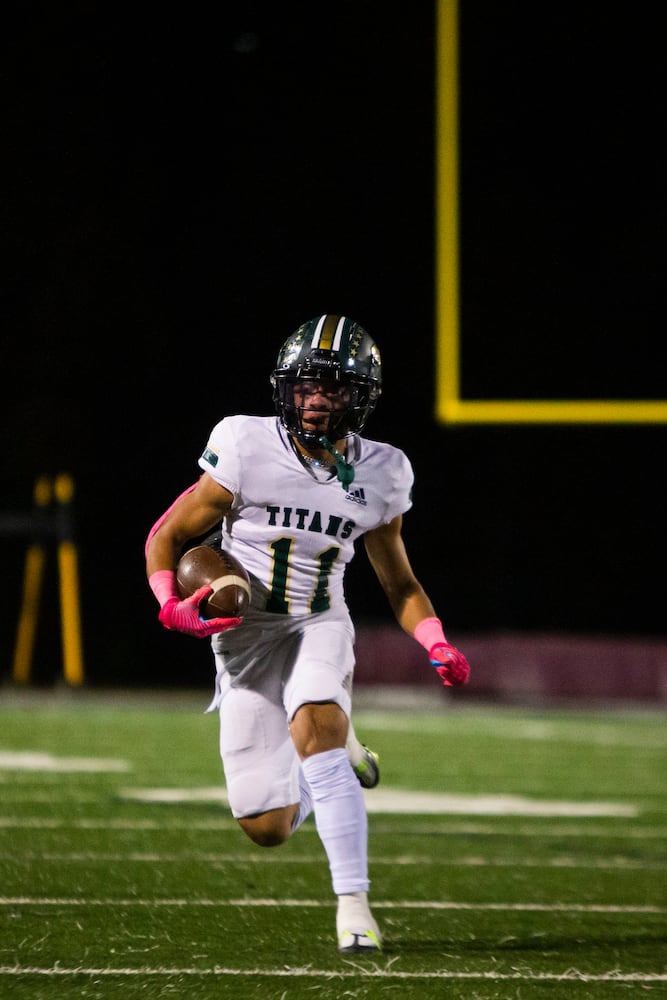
x=260 y=764
x=317 y=700
x=265 y=788
x=272 y=828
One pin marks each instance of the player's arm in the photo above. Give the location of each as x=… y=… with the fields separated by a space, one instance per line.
x=193 y=514
x=410 y=603
x=388 y=557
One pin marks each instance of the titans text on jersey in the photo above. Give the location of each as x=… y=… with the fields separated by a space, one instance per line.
x=289 y=526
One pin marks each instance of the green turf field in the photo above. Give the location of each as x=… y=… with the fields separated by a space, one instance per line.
x=515 y=853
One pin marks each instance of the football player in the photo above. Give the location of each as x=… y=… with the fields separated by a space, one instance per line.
x=291 y=494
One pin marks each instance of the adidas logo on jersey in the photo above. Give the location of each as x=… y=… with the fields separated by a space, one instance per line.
x=357 y=496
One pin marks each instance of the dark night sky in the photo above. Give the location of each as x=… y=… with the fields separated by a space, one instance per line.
x=182 y=191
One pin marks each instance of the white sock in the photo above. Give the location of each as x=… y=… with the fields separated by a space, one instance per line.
x=305 y=802
x=353 y=748
x=340 y=817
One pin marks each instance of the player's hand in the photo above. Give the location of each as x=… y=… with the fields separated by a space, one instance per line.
x=183 y=616
x=451 y=664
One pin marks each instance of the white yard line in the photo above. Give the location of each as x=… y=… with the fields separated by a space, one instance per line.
x=31 y=760
x=269 y=858
x=379 y=827
x=358 y=971
x=437 y=904
x=571 y=731
x=398 y=800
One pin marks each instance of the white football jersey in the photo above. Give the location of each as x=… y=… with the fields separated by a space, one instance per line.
x=293 y=529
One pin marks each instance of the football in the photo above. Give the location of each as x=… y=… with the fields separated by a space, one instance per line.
x=204 y=566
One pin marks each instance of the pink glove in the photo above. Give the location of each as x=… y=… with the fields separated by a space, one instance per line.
x=183 y=616
x=450 y=664
x=447 y=660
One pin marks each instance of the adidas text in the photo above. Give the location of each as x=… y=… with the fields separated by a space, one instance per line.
x=357 y=496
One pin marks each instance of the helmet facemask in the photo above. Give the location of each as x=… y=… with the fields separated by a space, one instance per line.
x=333 y=410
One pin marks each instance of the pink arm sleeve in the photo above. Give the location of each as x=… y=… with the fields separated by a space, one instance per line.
x=163 y=516
x=429 y=633
x=163 y=585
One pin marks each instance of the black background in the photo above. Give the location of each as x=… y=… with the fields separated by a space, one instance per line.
x=184 y=188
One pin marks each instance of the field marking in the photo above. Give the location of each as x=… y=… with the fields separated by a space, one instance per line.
x=397 y=800
x=526 y=729
x=421 y=829
x=50 y=798
x=202 y=857
x=31 y=760
x=358 y=971
x=436 y=904
x=596 y=732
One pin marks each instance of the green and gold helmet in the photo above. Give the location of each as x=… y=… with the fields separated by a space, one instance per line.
x=331 y=350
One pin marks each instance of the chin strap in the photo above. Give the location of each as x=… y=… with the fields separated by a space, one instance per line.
x=344 y=470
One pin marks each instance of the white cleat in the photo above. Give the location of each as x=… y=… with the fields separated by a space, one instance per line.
x=357 y=931
x=368 y=769
x=365 y=763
